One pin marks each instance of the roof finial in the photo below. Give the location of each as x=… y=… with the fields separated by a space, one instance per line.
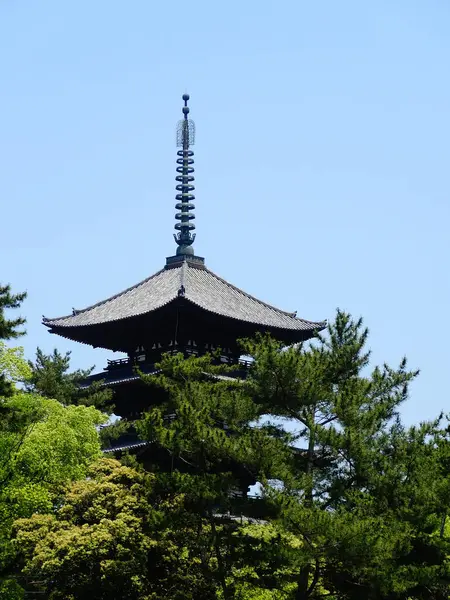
x=185 y=169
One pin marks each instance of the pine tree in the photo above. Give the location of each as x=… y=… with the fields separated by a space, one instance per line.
x=363 y=493
x=9 y=327
x=51 y=377
x=207 y=431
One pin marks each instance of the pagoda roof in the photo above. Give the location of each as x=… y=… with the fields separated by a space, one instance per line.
x=194 y=283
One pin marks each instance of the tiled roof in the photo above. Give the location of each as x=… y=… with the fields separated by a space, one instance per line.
x=118 y=376
x=197 y=285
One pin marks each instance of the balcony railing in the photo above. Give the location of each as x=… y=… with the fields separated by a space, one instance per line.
x=119 y=362
x=242 y=363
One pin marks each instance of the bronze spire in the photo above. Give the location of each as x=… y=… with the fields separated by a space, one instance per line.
x=185 y=177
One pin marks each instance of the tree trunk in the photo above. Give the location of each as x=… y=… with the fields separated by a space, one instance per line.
x=303 y=592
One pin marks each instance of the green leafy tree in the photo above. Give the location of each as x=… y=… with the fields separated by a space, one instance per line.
x=112 y=538
x=46 y=446
x=43 y=445
x=12 y=366
x=95 y=544
x=116 y=536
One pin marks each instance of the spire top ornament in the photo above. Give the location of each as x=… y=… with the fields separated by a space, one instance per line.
x=185 y=178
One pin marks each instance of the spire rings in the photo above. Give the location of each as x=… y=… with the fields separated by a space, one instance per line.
x=184 y=183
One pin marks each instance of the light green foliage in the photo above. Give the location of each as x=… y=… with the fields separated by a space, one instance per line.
x=42 y=440
x=115 y=538
x=59 y=446
x=12 y=364
x=43 y=446
x=273 y=549
x=95 y=545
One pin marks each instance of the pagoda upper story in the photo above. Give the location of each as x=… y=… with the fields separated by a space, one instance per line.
x=184 y=305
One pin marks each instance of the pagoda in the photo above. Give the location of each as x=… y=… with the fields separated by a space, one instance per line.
x=184 y=307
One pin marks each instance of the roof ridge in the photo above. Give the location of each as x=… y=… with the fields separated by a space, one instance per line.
x=278 y=310
x=46 y=320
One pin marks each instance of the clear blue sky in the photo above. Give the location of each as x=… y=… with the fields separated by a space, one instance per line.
x=322 y=159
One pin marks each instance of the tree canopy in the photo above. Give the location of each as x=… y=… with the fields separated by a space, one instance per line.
x=349 y=503
x=44 y=445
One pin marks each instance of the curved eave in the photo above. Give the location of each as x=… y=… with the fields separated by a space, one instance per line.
x=68 y=334
x=94 y=334
x=56 y=327
x=310 y=326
